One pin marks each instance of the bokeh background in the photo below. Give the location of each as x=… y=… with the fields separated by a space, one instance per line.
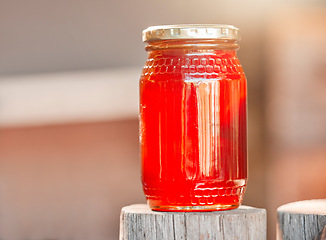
x=69 y=70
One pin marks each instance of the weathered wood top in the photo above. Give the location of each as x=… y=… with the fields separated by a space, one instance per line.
x=303 y=220
x=139 y=222
x=316 y=206
x=144 y=209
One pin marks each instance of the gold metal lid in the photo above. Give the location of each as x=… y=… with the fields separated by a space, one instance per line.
x=191 y=31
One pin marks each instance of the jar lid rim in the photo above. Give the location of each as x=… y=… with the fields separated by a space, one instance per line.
x=191 y=31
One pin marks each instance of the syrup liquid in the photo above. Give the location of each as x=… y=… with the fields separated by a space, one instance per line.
x=193 y=130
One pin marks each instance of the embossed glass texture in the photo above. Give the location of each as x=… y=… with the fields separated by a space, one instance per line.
x=193 y=126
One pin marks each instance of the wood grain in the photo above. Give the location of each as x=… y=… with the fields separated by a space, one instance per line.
x=139 y=222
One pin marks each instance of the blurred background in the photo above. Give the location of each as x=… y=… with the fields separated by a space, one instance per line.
x=69 y=70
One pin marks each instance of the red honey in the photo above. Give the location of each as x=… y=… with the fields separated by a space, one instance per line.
x=193 y=125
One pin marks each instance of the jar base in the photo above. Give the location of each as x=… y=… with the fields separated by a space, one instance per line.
x=196 y=201
x=200 y=208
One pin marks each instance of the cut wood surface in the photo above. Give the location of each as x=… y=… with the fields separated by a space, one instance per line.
x=138 y=222
x=303 y=220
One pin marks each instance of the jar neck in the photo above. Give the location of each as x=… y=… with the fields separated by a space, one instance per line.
x=193 y=44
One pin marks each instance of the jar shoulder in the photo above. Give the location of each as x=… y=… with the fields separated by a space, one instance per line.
x=208 y=65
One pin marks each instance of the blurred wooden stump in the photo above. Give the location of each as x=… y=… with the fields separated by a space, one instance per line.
x=303 y=220
x=138 y=222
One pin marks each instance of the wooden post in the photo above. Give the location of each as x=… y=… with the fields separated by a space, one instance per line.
x=304 y=220
x=138 y=222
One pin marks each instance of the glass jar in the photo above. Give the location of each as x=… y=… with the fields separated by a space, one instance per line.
x=193 y=119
